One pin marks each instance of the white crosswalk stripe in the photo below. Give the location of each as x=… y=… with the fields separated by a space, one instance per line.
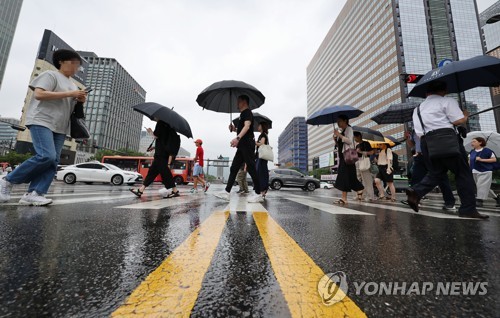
x=329 y=208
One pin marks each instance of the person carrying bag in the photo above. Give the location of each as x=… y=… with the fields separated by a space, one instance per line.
x=441 y=115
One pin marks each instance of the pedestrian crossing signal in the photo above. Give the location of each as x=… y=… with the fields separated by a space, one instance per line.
x=412 y=78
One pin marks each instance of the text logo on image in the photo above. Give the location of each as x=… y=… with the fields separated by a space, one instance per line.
x=333 y=288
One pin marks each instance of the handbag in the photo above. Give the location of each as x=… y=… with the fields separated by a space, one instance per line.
x=79 y=129
x=266 y=152
x=441 y=143
x=365 y=163
x=350 y=155
x=374 y=169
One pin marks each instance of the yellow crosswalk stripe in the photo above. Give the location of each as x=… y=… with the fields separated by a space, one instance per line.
x=298 y=275
x=172 y=289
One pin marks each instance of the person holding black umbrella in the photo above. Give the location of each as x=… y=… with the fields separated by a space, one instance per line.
x=245 y=144
x=434 y=120
x=347 y=180
x=163 y=157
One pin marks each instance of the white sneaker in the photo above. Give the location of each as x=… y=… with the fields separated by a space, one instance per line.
x=35 y=199
x=5 y=189
x=223 y=195
x=256 y=199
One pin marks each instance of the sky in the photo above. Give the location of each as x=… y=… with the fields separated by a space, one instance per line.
x=174 y=49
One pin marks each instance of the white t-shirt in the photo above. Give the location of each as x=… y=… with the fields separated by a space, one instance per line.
x=384 y=157
x=437 y=112
x=53 y=114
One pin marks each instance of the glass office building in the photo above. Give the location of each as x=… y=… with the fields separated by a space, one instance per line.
x=9 y=15
x=292 y=145
x=112 y=122
x=372 y=44
x=490 y=24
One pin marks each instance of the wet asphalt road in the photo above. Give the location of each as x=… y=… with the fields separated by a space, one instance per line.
x=91 y=252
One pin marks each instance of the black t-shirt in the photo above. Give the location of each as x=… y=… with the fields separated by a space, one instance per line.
x=248 y=138
x=161 y=132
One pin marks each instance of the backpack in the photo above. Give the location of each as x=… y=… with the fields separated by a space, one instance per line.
x=173 y=143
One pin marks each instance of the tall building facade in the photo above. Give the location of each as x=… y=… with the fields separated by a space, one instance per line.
x=490 y=24
x=9 y=15
x=292 y=145
x=7 y=134
x=372 y=45
x=112 y=122
x=49 y=44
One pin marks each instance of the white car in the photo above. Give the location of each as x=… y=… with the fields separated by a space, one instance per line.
x=91 y=172
x=325 y=185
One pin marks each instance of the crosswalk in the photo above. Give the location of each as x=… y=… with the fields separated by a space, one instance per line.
x=318 y=200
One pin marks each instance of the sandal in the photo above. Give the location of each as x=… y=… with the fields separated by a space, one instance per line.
x=360 y=196
x=136 y=192
x=173 y=195
x=340 y=202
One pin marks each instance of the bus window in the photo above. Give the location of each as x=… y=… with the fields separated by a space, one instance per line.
x=179 y=165
x=123 y=163
x=146 y=164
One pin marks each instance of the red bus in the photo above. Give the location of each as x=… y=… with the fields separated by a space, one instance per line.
x=182 y=166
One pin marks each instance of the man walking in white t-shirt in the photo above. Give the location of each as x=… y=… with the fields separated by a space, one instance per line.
x=438 y=112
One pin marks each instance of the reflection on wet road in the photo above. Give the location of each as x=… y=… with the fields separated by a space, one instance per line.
x=97 y=251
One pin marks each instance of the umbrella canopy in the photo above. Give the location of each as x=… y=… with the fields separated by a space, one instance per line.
x=257 y=119
x=166 y=115
x=492 y=140
x=396 y=114
x=378 y=144
x=392 y=141
x=479 y=71
x=222 y=96
x=369 y=134
x=330 y=114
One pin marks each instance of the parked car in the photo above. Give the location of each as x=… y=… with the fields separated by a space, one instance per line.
x=279 y=178
x=325 y=185
x=91 y=172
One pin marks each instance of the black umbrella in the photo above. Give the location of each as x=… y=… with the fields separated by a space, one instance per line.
x=257 y=119
x=330 y=114
x=479 y=71
x=396 y=114
x=222 y=96
x=166 y=115
x=369 y=134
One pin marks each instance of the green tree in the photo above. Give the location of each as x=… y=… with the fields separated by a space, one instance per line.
x=14 y=158
x=318 y=172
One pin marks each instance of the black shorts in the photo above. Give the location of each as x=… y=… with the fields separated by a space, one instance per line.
x=382 y=174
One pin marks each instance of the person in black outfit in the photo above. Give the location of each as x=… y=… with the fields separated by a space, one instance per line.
x=347 y=180
x=245 y=144
x=161 y=162
x=261 y=164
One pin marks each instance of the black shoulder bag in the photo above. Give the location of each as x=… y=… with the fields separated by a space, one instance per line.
x=79 y=129
x=441 y=143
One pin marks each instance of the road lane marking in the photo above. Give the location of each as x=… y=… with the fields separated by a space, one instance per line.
x=161 y=203
x=172 y=289
x=297 y=274
x=242 y=204
x=399 y=207
x=329 y=208
x=103 y=199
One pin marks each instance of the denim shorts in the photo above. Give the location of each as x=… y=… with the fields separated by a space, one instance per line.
x=198 y=170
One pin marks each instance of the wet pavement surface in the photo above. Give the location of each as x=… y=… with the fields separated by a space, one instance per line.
x=98 y=251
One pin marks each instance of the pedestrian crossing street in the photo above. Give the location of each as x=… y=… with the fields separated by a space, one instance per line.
x=321 y=200
x=176 y=286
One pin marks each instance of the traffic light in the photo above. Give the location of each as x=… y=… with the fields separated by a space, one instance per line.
x=412 y=78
